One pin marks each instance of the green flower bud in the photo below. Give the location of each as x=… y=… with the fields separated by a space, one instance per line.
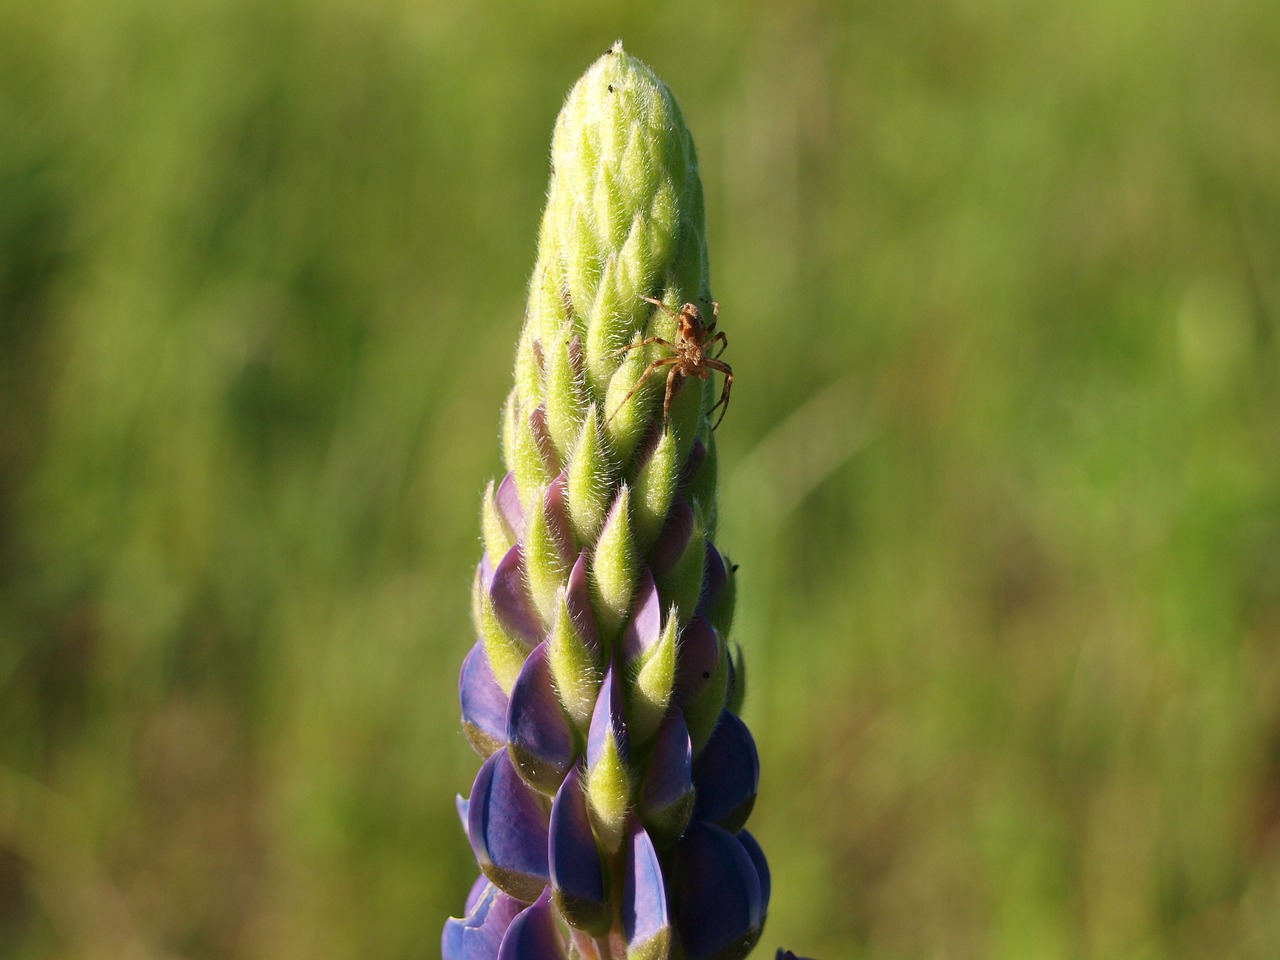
x=702 y=488
x=682 y=584
x=506 y=653
x=529 y=370
x=721 y=612
x=590 y=479
x=608 y=752
x=609 y=795
x=544 y=563
x=614 y=566
x=688 y=418
x=564 y=389
x=653 y=683
x=510 y=423
x=531 y=464
x=630 y=402
x=702 y=712
x=655 y=488
x=498 y=536
x=573 y=666
x=612 y=321
x=548 y=298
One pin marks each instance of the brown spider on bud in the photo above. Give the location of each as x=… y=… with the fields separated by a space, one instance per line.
x=689 y=357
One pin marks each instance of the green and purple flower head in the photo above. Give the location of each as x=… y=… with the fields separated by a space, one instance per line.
x=608 y=816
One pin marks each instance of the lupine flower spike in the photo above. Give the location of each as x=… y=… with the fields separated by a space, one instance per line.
x=608 y=818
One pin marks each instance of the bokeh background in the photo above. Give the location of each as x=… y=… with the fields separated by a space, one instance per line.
x=1002 y=470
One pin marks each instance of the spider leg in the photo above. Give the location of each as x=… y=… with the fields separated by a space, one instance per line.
x=723 y=402
x=718 y=365
x=715 y=315
x=724 y=344
x=641 y=343
x=648 y=372
x=671 y=386
x=659 y=303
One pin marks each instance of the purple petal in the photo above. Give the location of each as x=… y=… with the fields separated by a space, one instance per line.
x=673 y=538
x=557 y=510
x=727 y=775
x=645 y=626
x=666 y=794
x=718 y=904
x=540 y=737
x=714 y=580
x=484 y=705
x=762 y=868
x=578 y=600
x=577 y=874
x=534 y=935
x=480 y=934
x=699 y=657
x=507 y=500
x=508 y=829
x=608 y=720
x=511 y=602
x=646 y=922
x=477 y=891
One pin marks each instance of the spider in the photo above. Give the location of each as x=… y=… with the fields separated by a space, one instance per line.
x=689 y=358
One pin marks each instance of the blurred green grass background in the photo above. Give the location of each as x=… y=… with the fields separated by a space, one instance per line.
x=1002 y=471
